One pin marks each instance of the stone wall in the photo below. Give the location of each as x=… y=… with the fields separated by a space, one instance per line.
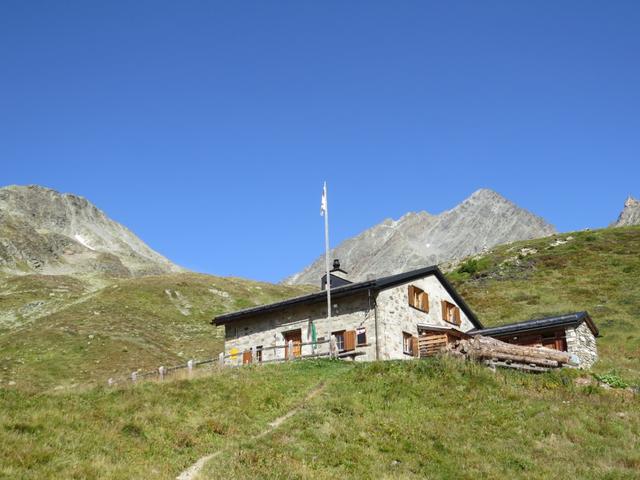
x=582 y=343
x=267 y=330
x=395 y=315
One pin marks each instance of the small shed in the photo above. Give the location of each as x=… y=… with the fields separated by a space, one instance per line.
x=574 y=333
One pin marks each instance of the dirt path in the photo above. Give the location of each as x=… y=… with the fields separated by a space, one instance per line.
x=192 y=472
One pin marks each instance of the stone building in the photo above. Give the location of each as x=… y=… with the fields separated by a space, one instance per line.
x=382 y=319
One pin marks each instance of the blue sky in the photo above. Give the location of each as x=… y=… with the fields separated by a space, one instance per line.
x=208 y=127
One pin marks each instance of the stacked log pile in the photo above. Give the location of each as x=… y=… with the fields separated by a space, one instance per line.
x=500 y=354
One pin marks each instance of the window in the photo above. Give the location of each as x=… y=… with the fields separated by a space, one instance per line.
x=345 y=340
x=418 y=298
x=451 y=313
x=361 y=336
x=259 y=353
x=339 y=339
x=407 y=343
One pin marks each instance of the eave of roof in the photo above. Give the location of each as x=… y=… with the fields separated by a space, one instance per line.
x=432 y=328
x=352 y=289
x=539 y=324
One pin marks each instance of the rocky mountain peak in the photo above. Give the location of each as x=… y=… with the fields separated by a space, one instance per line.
x=486 y=194
x=50 y=232
x=630 y=214
x=416 y=240
x=631 y=202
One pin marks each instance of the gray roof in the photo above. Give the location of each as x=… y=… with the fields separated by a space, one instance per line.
x=352 y=289
x=570 y=319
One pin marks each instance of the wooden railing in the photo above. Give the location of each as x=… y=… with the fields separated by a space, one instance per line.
x=318 y=351
x=430 y=345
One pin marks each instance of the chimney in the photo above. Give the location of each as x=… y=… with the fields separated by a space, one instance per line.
x=338 y=276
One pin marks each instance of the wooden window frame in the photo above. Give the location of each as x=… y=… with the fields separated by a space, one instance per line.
x=448 y=307
x=418 y=299
x=339 y=334
x=407 y=336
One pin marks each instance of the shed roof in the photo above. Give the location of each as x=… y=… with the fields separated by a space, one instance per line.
x=570 y=319
x=352 y=289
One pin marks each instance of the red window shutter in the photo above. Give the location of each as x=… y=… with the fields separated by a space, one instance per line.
x=457 y=316
x=350 y=340
x=415 y=346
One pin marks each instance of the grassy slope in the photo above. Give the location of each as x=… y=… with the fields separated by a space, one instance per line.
x=444 y=419
x=129 y=324
x=148 y=431
x=419 y=419
x=598 y=271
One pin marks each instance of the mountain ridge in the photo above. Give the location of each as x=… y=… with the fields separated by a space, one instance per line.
x=483 y=220
x=48 y=232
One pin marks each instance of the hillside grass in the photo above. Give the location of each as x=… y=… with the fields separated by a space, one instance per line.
x=597 y=271
x=443 y=419
x=80 y=336
x=148 y=430
x=435 y=418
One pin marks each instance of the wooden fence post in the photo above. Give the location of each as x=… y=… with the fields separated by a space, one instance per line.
x=254 y=354
x=161 y=373
x=290 y=350
x=134 y=376
x=190 y=367
x=221 y=360
x=333 y=347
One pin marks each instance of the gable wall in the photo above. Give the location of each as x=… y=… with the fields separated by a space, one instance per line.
x=582 y=343
x=396 y=315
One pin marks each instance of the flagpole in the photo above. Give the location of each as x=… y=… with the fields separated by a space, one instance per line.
x=326 y=257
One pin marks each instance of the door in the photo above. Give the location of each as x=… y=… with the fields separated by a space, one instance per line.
x=555 y=340
x=296 y=337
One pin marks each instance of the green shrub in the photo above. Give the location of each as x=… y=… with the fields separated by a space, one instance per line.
x=611 y=379
x=473 y=266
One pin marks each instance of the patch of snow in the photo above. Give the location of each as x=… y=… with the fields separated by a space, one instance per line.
x=83 y=241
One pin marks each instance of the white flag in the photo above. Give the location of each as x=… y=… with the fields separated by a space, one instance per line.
x=323 y=202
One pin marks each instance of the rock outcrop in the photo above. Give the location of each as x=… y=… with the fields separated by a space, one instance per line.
x=630 y=214
x=48 y=232
x=416 y=240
